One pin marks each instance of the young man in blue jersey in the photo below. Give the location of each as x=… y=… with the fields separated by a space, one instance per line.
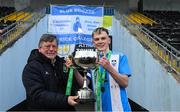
x=111 y=78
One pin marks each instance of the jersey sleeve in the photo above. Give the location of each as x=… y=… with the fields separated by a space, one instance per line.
x=124 y=66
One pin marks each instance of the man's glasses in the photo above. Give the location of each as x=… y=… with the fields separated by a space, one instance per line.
x=49 y=46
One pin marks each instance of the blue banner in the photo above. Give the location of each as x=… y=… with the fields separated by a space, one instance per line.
x=74 y=24
x=74 y=39
x=77 y=10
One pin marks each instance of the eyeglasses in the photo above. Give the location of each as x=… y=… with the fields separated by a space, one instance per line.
x=49 y=46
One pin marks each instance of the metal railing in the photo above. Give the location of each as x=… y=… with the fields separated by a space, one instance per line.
x=165 y=51
x=17 y=29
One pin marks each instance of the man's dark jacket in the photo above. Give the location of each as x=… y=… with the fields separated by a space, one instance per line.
x=45 y=83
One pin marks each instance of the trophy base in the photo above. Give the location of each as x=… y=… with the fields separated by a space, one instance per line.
x=85 y=101
x=85 y=95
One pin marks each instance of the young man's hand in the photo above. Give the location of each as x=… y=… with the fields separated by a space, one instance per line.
x=104 y=62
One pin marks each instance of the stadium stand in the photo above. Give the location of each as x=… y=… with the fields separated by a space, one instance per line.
x=14 y=24
x=6 y=11
x=160 y=33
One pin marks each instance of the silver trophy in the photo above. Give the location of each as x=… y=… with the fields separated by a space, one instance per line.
x=86 y=59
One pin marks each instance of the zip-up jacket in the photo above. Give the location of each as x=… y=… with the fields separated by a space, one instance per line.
x=45 y=83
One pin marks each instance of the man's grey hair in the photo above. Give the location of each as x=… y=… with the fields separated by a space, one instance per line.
x=47 y=38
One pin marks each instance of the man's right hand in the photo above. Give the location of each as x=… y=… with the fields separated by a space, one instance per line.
x=71 y=100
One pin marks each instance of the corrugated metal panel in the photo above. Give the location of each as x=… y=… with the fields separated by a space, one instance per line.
x=108 y=11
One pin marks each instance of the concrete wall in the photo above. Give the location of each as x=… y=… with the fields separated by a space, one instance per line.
x=21 y=4
x=18 y=4
x=151 y=85
x=126 y=5
x=12 y=62
x=8 y=3
x=161 y=5
x=38 y=4
x=122 y=6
